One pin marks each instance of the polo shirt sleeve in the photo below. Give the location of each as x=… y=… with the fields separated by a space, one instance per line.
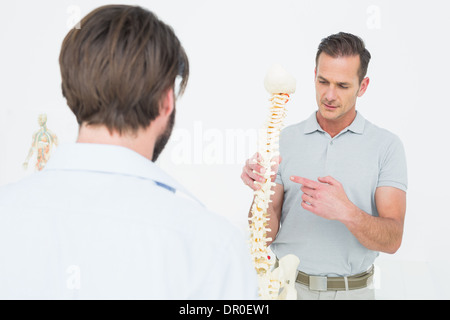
x=393 y=171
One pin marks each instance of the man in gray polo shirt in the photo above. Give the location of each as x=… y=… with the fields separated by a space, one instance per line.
x=340 y=194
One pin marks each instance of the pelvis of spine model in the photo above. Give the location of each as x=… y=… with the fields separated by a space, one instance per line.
x=280 y=84
x=286 y=274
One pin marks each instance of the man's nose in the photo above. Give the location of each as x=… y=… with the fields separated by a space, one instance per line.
x=331 y=93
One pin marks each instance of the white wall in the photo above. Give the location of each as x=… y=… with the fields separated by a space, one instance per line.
x=230 y=45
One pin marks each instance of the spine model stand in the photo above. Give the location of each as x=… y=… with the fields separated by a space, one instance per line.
x=280 y=85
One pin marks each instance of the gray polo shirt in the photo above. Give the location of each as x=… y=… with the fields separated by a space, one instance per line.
x=361 y=157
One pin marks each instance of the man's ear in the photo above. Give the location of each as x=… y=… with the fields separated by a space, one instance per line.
x=167 y=103
x=363 y=86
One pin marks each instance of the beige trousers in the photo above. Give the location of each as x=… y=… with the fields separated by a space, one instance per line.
x=304 y=293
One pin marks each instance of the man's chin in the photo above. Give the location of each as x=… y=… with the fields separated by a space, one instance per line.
x=329 y=114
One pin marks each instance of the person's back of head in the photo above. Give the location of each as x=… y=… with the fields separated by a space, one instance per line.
x=117 y=66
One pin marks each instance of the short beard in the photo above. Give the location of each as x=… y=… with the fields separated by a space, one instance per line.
x=163 y=138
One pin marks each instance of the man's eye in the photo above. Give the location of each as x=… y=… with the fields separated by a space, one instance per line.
x=344 y=87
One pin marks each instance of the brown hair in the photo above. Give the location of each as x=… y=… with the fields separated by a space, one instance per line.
x=117 y=66
x=346 y=44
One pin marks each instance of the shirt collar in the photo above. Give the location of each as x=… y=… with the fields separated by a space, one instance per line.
x=357 y=126
x=111 y=159
x=312 y=125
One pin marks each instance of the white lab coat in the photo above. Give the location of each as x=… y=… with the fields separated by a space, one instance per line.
x=103 y=222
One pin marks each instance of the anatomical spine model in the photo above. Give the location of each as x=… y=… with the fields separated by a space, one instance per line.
x=280 y=84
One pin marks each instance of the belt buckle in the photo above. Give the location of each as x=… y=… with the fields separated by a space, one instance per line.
x=318 y=283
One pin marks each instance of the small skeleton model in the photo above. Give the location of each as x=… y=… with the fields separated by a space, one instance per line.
x=280 y=85
x=42 y=143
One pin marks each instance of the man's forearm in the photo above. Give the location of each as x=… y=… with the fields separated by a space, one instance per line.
x=375 y=233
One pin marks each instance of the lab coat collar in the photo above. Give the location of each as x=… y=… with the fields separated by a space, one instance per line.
x=111 y=159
